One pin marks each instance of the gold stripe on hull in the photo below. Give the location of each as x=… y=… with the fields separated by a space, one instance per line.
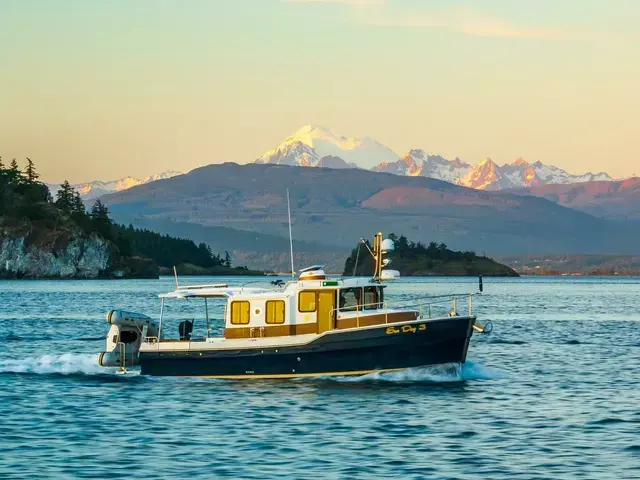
x=300 y=375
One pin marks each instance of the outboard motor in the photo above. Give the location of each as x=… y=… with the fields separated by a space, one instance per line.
x=128 y=330
x=184 y=329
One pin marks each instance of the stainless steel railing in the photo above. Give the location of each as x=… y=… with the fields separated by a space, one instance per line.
x=423 y=305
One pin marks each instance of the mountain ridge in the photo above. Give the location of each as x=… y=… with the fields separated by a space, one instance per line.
x=334 y=207
x=96 y=188
x=619 y=200
x=309 y=144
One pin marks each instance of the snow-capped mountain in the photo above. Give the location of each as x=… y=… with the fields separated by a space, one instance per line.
x=418 y=163
x=551 y=174
x=314 y=146
x=311 y=144
x=488 y=175
x=97 y=188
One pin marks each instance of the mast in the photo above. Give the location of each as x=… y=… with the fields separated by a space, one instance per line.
x=290 y=236
x=377 y=255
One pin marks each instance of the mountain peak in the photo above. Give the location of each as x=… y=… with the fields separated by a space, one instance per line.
x=313 y=129
x=487 y=163
x=323 y=142
x=520 y=161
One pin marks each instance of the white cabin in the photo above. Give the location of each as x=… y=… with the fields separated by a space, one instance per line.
x=312 y=304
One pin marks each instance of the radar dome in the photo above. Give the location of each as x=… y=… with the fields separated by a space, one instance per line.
x=387 y=245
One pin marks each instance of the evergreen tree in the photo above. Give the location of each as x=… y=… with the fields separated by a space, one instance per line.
x=15 y=175
x=30 y=171
x=65 y=198
x=100 y=219
x=1 y=164
x=78 y=205
x=227 y=259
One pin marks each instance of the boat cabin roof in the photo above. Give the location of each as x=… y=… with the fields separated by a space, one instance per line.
x=226 y=291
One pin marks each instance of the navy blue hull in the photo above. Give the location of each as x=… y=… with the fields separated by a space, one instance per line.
x=413 y=344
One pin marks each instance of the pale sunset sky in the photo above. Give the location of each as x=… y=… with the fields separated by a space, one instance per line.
x=103 y=89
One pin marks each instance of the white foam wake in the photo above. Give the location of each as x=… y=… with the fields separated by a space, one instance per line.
x=67 y=363
x=434 y=374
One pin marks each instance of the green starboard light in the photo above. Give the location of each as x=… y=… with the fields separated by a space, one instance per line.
x=330 y=284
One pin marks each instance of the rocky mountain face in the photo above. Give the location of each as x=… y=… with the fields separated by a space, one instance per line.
x=80 y=258
x=97 y=188
x=311 y=145
x=418 y=163
x=486 y=175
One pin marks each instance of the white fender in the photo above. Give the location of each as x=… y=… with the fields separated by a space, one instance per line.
x=123 y=318
x=127 y=332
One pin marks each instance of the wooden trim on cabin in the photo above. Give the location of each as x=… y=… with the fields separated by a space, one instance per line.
x=375 y=319
x=270 y=331
x=312 y=327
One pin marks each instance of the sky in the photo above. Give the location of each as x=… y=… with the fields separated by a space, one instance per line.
x=105 y=89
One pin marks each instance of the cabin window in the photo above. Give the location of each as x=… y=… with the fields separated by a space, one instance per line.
x=307 y=302
x=370 y=298
x=275 y=311
x=350 y=299
x=240 y=312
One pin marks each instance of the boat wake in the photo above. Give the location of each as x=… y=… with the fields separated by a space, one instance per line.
x=435 y=374
x=65 y=364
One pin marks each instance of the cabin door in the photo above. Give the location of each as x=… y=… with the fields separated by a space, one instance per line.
x=326 y=310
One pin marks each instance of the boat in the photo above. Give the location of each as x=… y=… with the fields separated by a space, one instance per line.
x=314 y=325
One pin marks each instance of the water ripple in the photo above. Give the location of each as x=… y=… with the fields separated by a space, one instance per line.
x=552 y=393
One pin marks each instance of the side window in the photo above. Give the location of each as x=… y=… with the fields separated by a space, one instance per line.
x=275 y=311
x=370 y=298
x=307 y=302
x=240 y=312
x=350 y=299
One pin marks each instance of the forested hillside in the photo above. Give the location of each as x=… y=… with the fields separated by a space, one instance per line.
x=417 y=259
x=43 y=236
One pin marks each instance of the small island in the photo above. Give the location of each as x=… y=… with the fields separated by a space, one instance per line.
x=45 y=238
x=416 y=259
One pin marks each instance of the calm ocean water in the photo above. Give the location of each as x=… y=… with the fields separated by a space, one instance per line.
x=552 y=393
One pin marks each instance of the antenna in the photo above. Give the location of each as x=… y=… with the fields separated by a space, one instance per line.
x=290 y=236
x=175 y=274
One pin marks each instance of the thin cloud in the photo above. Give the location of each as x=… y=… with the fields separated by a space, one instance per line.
x=460 y=20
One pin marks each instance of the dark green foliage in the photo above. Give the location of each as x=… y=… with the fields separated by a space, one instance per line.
x=30 y=171
x=24 y=200
x=414 y=258
x=65 y=198
x=166 y=251
x=14 y=170
x=21 y=197
x=100 y=219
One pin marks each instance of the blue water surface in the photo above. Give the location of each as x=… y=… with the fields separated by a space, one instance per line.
x=552 y=393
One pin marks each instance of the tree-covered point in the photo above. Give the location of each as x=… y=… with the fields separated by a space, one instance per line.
x=26 y=201
x=417 y=259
